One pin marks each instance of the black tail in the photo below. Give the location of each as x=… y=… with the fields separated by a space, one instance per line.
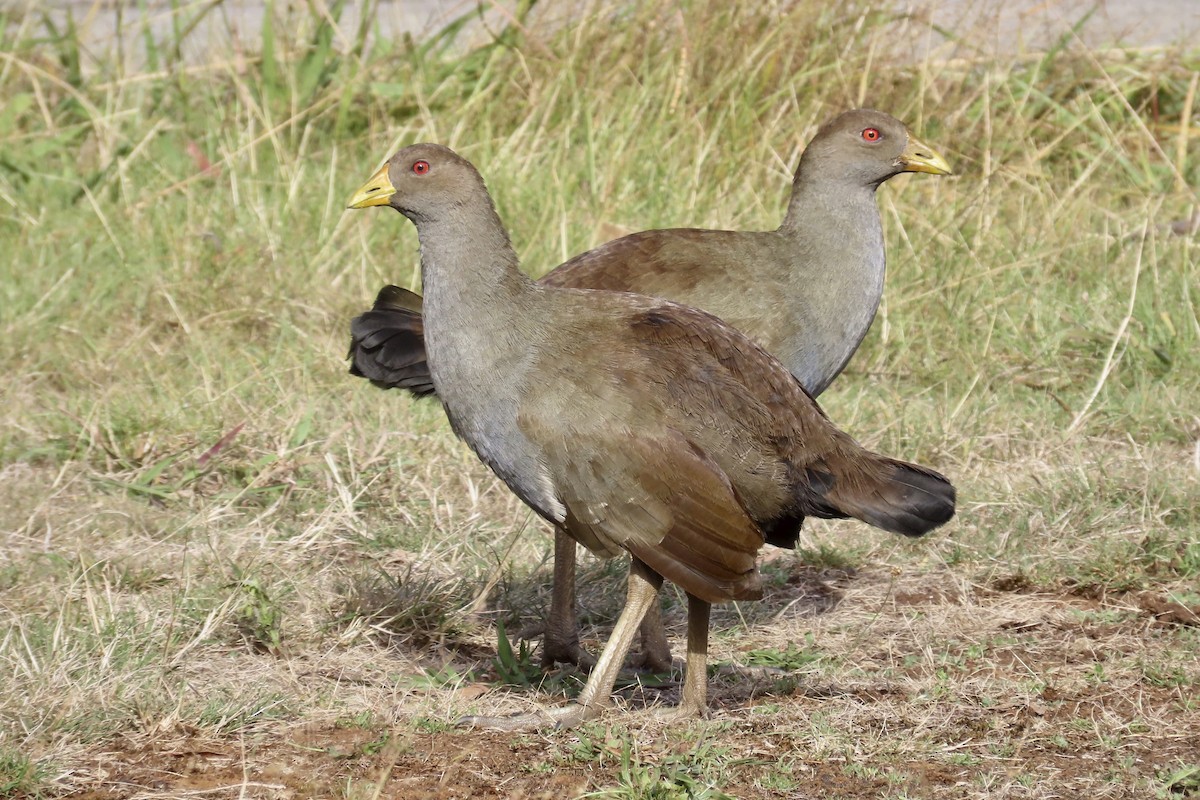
x=387 y=343
x=889 y=494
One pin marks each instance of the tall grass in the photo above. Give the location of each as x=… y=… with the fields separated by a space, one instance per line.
x=192 y=488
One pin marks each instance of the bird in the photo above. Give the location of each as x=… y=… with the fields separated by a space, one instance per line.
x=807 y=292
x=634 y=424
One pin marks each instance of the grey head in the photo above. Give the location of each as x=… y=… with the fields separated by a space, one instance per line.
x=864 y=148
x=424 y=182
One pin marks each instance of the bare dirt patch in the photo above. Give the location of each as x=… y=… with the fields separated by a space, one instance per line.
x=984 y=694
x=1157 y=606
x=325 y=762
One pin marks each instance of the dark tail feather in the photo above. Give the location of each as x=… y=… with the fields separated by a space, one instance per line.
x=889 y=494
x=387 y=343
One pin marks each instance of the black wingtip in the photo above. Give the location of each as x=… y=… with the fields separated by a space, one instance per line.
x=893 y=495
x=919 y=500
x=387 y=343
x=397 y=298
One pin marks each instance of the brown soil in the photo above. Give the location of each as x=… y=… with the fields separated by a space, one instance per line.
x=469 y=765
x=965 y=724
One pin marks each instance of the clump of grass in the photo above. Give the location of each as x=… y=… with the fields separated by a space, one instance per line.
x=258 y=616
x=21 y=776
x=1182 y=782
x=789 y=658
x=232 y=712
x=826 y=555
x=515 y=667
x=416 y=607
x=695 y=775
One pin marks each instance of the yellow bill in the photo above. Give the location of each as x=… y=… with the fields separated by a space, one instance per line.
x=920 y=157
x=375 y=192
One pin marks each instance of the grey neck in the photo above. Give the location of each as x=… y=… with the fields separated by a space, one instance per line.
x=483 y=327
x=818 y=202
x=838 y=239
x=476 y=298
x=468 y=265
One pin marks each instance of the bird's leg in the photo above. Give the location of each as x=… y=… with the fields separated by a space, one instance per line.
x=644 y=584
x=694 y=701
x=560 y=631
x=695 y=682
x=655 y=655
x=560 y=636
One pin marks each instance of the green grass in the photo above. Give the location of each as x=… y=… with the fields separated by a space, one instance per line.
x=211 y=534
x=694 y=771
x=21 y=777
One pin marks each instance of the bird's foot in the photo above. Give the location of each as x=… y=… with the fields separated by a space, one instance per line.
x=655 y=653
x=561 y=718
x=565 y=650
x=533 y=631
x=684 y=712
x=558 y=648
x=650 y=659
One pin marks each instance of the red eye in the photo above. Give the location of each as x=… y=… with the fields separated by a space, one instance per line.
x=871 y=134
x=420 y=167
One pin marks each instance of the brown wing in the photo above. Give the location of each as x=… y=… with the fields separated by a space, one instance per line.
x=781 y=453
x=688 y=264
x=663 y=500
x=715 y=374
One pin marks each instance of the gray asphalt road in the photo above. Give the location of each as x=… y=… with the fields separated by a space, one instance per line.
x=1012 y=26
x=996 y=27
